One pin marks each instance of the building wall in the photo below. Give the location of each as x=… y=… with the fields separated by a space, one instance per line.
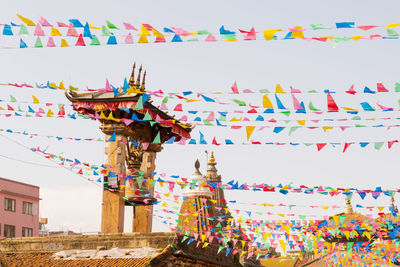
x=20 y=192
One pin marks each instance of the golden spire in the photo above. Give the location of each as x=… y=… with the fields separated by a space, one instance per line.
x=394 y=208
x=132 y=78
x=143 y=86
x=138 y=77
x=349 y=207
x=211 y=161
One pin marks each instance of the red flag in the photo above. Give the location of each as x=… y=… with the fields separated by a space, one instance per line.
x=381 y=88
x=80 y=171
x=390 y=143
x=178 y=107
x=235 y=88
x=214 y=142
x=351 y=90
x=346 y=146
x=9 y=107
x=80 y=41
x=332 y=107
x=320 y=146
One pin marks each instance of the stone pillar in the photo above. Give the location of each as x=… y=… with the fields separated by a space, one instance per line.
x=113 y=205
x=143 y=215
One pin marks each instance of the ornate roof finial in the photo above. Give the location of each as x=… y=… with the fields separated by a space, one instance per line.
x=393 y=207
x=143 y=86
x=132 y=78
x=349 y=207
x=197 y=165
x=138 y=77
x=211 y=161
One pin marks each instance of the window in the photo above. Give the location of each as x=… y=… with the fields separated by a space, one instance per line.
x=9 y=230
x=9 y=204
x=27 y=208
x=27 y=231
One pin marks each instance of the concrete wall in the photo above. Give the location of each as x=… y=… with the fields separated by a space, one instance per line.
x=108 y=241
x=20 y=192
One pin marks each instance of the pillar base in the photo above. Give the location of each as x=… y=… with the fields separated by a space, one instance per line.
x=142 y=219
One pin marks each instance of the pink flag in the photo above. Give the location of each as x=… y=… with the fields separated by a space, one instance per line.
x=160 y=40
x=384 y=108
x=129 y=39
x=72 y=31
x=129 y=26
x=44 y=22
x=50 y=42
x=235 y=88
x=296 y=103
x=39 y=31
x=210 y=38
x=211 y=117
x=366 y=28
x=178 y=107
x=294 y=91
x=61 y=24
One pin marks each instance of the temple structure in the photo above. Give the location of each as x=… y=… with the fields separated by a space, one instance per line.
x=348 y=226
x=135 y=130
x=389 y=223
x=197 y=209
x=218 y=196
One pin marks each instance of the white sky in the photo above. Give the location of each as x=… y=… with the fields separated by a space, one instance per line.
x=73 y=203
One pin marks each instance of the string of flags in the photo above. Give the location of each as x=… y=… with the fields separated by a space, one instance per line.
x=147 y=33
x=95 y=170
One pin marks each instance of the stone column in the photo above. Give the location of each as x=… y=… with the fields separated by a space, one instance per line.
x=143 y=215
x=113 y=205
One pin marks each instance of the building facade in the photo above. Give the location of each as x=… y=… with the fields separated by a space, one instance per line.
x=19 y=209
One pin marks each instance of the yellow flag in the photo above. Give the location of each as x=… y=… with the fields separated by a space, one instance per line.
x=64 y=43
x=269 y=34
x=356 y=38
x=297 y=34
x=26 y=21
x=143 y=39
x=394 y=25
x=61 y=86
x=49 y=113
x=35 y=100
x=326 y=128
x=55 y=32
x=301 y=122
x=249 y=131
x=266 y=102
x=93 y=27
x=234 y=119
x=144 y=31
x=349 y=109
x=279 y=89
x=205 y=245
x=102 y=116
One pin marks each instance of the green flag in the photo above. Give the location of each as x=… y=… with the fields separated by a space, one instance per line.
x=157 y=139
x=105 y=31
x=95 y=40
x=378 y=145
x=12 y=99
x=111 y=26
x=23 y=30
x=38 y=43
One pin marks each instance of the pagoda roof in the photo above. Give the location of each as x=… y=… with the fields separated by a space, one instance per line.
x=101 y=96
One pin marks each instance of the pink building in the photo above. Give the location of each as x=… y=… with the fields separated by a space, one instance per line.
x=19 y=209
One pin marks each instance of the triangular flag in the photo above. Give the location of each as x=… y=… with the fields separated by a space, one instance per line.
x=72 y=31
x=22 y=44
x=26 y=21
x=80 y=41
x=157 y=139
x=50 y=42
x=39 y=31
x=64 y=43
x=23 y=31
x=249 y=131
x=35 y=100
x=320 y=146
x=95 y=40
x=55 y=32
x=38 y=43
x=113 y=137
x=332 y=107
x=235 y=88
x=111 y=26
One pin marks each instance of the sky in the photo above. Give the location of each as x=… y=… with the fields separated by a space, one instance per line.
x=72 y=202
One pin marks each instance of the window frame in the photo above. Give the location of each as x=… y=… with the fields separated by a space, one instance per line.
x=6 y=226
x=29 y=230
x=27 y=204
x=13 y=207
